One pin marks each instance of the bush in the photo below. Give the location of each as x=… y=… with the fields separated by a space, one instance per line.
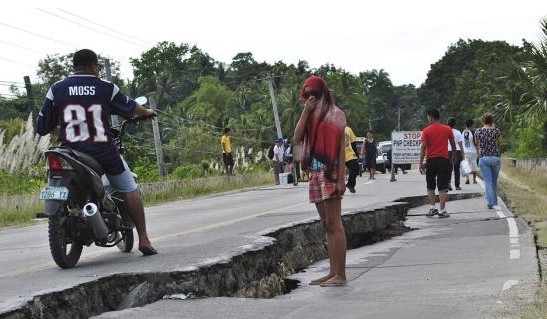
x=19 y=183
x=529 y=143
x=188 y=172
x=146 y=171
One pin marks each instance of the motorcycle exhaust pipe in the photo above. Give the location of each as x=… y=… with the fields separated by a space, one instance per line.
x=91 y=213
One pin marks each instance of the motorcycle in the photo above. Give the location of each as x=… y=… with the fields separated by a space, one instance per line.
x=82 y=208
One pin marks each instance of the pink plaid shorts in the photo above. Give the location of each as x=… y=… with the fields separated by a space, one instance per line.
x=320 y=188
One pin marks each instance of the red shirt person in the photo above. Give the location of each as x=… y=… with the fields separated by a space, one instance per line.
x=434 y=147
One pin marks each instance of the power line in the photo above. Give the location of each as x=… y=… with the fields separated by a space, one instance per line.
x=16 y=62
x=22 y=47
x=105 y=27
x=36 y=34
x=217 y=129
x=87 y=27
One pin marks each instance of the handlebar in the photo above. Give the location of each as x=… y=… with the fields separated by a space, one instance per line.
x=139 y=118
x=121 y=128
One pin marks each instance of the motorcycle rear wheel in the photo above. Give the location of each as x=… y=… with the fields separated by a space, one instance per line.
x=126 y=244
x=64 y=250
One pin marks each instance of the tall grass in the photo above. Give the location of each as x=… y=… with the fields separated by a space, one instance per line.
x=24 y=150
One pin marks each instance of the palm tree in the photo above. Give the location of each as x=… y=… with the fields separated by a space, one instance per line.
x=529 y=81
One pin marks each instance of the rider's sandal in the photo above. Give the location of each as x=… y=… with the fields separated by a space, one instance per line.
x=148 y=251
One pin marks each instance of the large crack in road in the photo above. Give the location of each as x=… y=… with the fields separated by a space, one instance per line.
x=258 y=270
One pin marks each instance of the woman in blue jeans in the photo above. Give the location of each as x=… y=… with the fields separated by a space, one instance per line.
x=488 y=140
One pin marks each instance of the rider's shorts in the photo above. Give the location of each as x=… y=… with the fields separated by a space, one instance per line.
x=123 y=182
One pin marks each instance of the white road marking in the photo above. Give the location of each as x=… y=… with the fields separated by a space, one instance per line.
x=514 y=251
x=508 y=284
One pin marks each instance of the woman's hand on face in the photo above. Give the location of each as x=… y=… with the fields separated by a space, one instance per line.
x=310 y=103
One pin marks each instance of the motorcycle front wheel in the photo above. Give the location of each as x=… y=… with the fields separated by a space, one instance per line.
x=126 y=244
x=65 y=250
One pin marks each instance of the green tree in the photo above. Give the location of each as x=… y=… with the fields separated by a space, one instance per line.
x=461 y=82
x=212 y=103
x=381 y=105
x=524 y=99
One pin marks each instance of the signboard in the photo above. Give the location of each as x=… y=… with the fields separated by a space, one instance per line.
x=405 y=147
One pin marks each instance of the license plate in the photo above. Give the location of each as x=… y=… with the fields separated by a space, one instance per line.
x=56 y=193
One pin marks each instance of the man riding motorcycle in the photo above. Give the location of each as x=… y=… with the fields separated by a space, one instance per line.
x=77 y=110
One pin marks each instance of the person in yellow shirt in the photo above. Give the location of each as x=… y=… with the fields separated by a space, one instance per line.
x=227 y=151
x=352 y=158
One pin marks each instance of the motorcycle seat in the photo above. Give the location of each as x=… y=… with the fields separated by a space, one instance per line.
x=89 y=161
x=83 y=157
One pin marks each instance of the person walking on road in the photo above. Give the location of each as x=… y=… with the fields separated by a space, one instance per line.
x=226 y=146
x=459 y=150
x=435 y=139
x=278 y=164
x=369 y=149
x=488 y=140
x=321 y=131
x=352 y=158
x=470 y=149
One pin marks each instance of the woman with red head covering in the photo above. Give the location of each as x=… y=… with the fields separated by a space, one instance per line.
x=321 y=131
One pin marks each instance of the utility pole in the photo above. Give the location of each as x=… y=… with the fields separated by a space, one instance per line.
x=398 y=118
x=108 y=74
x=30 y=93
x=373 y=120
x=270 y=78
x=157 y=139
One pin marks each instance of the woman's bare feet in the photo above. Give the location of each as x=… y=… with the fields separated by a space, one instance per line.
x=336 y=281
x=321 y=280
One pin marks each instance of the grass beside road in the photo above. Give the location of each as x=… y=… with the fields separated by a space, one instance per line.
x=526 y=195
x=21 y=210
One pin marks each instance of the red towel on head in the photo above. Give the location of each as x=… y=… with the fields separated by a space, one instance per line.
x=324 y=130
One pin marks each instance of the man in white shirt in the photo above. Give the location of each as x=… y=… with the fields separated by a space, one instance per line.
x=470 y=149
x=460 y=153
x=279 y=150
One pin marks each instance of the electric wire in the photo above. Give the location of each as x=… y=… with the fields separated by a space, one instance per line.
x=37 y=34
x=105 y=27
x=88 y=27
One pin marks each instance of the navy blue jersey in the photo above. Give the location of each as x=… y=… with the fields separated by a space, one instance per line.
x=81 y=106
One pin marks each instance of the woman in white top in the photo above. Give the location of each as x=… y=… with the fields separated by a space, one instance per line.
x=470 y=149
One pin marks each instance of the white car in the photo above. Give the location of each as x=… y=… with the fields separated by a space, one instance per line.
x=385 y=146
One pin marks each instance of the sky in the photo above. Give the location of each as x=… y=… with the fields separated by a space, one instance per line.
x=401 y=37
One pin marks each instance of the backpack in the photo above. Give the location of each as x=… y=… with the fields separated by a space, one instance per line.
x=271 y=152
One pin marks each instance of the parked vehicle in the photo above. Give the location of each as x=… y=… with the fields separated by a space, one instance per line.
x=81 y=207
x=385 y=146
